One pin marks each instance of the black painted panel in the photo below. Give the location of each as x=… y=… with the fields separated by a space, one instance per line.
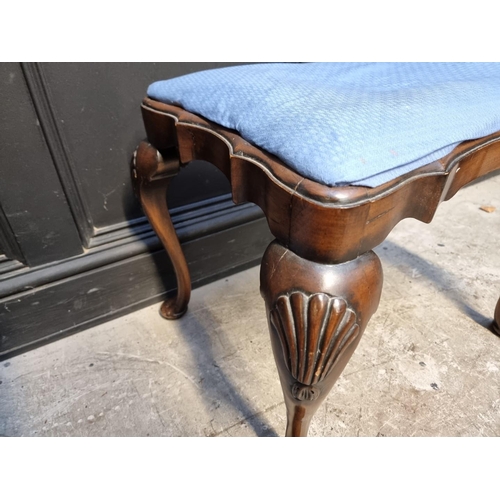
x=9 y=249
x=67 y=133
x=53 y=311
x=31 y=195
x=97 y=106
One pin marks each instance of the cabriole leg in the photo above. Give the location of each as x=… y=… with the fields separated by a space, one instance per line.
x=151 y=174
x=316 y=315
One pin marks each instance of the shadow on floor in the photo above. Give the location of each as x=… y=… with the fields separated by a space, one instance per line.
x=448 y=283
x=216 y=385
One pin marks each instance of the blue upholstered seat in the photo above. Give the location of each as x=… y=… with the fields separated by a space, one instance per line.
x=346 y=123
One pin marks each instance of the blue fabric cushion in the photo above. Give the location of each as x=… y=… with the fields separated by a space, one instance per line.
x=346 y=123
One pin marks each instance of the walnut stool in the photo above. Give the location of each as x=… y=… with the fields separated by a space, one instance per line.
x=320 y=279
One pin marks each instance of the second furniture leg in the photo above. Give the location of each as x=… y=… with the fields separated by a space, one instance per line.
x=151 y=175
x=316 y=315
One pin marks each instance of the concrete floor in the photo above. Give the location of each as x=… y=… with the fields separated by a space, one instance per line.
x=426 y=366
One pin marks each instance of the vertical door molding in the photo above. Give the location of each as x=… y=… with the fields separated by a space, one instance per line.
x=36 y=223
x=61 y=156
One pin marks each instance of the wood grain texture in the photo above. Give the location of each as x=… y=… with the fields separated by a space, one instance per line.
x=320 y=223
x=316 y=315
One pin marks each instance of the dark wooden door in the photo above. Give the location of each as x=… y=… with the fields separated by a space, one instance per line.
x=75 y=248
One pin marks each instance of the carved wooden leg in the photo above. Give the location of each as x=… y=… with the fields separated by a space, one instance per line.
x=496 y=322
x=151 y=174
x=316 y=315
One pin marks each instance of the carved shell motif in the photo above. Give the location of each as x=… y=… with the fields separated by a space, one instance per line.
x=314 y=330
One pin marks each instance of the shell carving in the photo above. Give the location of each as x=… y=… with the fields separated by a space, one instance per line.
x=314 y=330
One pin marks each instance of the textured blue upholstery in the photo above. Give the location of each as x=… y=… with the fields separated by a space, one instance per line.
x=346 y=123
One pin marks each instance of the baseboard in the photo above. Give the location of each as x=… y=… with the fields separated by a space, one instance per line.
x=41 y=305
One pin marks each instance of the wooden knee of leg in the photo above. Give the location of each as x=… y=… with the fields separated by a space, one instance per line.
x=316 y=315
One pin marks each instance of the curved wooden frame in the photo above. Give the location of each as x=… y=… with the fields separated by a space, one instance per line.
x=340 y=222
x=320 y=280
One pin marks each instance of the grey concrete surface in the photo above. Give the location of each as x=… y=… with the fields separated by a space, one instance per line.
x=426 y=366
